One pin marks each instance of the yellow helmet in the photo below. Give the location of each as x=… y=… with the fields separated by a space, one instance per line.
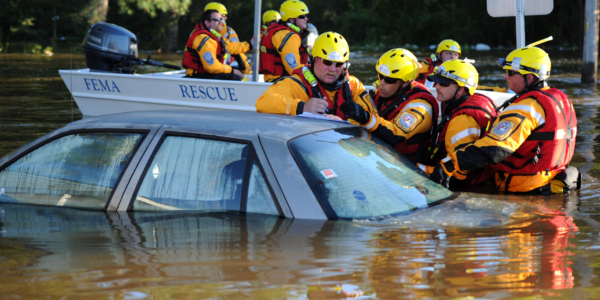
x=270 y=16
x=331 y=46
x=293 y=9
x=528 y=60
x=216 y=6
x=456 y=71
x=398 y=63
x=448 y=45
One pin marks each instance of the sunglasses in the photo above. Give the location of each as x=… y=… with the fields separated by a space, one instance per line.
x=511 y=73
x=329 y=63
x=216 y=19
x=302 y=17
x=388 y=80
x=445 y=84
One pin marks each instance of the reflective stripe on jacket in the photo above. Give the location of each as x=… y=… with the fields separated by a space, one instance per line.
x=531 y=142
x=550 y=146
x=480 y=107
x=406 y=121
x=288 y=95
x=272 y=55
x=191 y=56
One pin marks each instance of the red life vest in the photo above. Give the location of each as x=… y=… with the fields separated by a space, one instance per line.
x=432 y=64
x=191 y=58
x=549 y=147
x=342 y=95
x=270 y=60
x=390 y=109
x=478 y=106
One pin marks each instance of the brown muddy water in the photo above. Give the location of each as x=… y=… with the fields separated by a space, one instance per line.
x=479 y=246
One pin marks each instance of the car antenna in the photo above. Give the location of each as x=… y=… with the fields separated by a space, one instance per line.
x=539 y=42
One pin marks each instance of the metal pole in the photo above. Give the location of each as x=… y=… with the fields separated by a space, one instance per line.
x=520 y=17
x=256 y=49
x=590 y=43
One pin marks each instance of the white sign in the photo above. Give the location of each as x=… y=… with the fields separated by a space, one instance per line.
x=506 y=8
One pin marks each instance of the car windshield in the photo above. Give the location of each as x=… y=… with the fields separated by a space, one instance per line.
x=356 y=175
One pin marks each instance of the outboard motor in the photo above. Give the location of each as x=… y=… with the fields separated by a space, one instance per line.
x=109 y=47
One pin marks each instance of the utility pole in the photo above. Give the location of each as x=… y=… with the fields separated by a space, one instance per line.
x=589 y=73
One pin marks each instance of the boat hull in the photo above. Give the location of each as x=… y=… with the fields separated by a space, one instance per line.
x=99 y=93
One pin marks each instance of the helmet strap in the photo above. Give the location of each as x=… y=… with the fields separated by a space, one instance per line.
x=535 y=85
x=401 y=90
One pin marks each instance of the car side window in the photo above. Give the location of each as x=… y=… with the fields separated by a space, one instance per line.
x=259 y=196
x=189 y=173
x=77 y=170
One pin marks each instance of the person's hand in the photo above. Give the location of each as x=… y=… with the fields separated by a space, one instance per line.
x=238 y=72
x=334 y=117
x=443 y=172
x=315 y=106
x=354 y=111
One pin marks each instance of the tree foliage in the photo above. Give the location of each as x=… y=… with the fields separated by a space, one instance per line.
x=384 y=23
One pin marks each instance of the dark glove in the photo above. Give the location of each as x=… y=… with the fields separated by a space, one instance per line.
x=354 y=111
x=443 y=172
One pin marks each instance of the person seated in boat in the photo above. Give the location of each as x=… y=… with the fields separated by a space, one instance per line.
x=324 y=92
x=205 y=51
x=269 y=17
x=467 y=117
x=446 y=50
x=282 y=49
x=532 y=141
x=407 y=111
x=235 y=48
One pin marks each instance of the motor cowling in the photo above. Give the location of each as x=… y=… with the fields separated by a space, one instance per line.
x=109 y=47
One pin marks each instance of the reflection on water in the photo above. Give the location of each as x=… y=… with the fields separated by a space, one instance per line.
x=481 y=245
x=84 y=254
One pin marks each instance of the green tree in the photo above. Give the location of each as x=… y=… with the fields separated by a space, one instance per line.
x=169 y=11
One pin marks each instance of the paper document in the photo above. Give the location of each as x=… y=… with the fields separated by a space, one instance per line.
x=319 y=117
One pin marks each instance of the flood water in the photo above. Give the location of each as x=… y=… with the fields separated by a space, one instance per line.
x=479 y=246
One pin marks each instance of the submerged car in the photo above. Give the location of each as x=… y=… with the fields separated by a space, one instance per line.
x=217 y=160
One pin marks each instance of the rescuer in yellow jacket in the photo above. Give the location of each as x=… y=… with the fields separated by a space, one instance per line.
x=532 y=141
x=406 y=109
x=269 y=17
x=205 y=51
x=323 y=92
x=466 y=118
x=282 y=49
x=446 y=50
x=235 y=48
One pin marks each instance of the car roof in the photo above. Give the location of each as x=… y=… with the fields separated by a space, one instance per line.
x=232 y=121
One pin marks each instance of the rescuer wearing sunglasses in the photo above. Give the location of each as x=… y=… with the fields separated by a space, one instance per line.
x=466 y=118
x=532 y=141
x=205 y=51
x=231 y=39
x=282 y=49
x=320 y=88
x=406 y=109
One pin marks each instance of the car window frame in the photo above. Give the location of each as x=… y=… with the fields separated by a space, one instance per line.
x=147 y=130
x=126 y=204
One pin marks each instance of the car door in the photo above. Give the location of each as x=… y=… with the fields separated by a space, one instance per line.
x=203 y=171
